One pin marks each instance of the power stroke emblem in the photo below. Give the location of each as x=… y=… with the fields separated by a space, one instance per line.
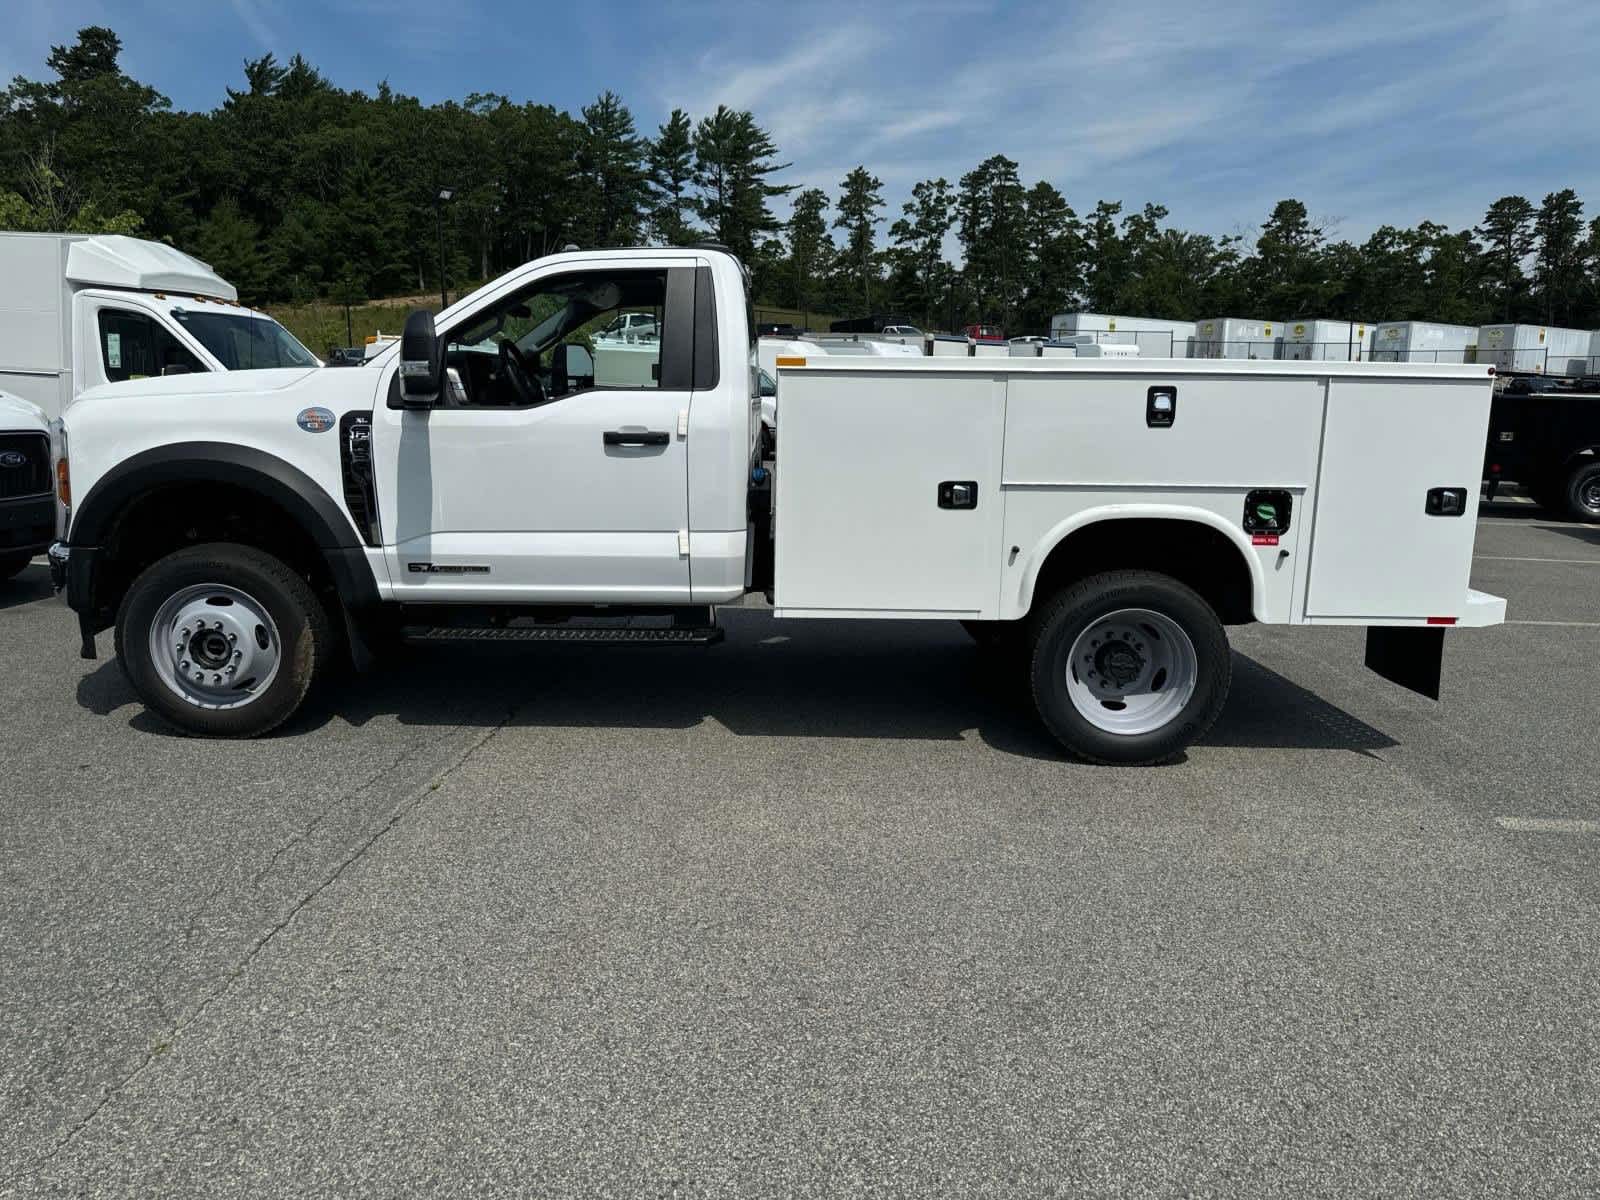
x=315 y=420
x=433 y=568
x=13 y=459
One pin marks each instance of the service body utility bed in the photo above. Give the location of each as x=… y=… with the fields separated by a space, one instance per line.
x=1053 y=445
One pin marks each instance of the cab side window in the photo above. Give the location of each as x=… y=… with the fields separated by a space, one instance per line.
x=565 y=335
x=134 y=346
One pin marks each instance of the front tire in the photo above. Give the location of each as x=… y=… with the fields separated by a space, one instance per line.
x=222 y=640
x=1129 y=667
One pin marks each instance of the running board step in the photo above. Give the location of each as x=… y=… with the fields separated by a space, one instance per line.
x=614 y=635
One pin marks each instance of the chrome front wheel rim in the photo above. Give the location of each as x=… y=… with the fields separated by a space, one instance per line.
x=215 y=646
x=1132 y=671
x=1589 y=495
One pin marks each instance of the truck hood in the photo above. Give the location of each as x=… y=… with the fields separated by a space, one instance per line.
x=209 y=383
x=17 y=413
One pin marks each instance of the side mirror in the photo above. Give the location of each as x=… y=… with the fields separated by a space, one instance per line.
x=579 y=362
x=421 y=362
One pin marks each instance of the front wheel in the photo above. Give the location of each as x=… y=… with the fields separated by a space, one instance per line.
x=222 y=640
x=1129 y=667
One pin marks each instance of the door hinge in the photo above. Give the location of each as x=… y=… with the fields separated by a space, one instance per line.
x=683 y=422
x=683 y=543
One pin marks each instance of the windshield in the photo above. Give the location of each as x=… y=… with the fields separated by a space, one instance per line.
x=245 y=342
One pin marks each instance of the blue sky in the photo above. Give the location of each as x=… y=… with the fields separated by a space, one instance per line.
x=1369 y=112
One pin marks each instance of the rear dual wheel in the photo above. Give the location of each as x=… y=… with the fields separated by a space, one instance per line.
x=1581 y=495
x=1128 y=667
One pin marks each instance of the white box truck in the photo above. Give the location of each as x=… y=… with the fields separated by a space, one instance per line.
x=1237 y=337
x=1098 y=523
x=78 y=311
x=1535 y=349
x=1424 y=342
x=1326 y=341
x=1156 y=337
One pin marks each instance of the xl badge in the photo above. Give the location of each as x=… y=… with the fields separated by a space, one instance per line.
x=315 y=420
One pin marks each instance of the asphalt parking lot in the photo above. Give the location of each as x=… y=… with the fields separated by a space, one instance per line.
x=815 y=911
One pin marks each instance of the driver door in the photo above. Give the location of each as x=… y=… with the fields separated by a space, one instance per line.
x=577 y=496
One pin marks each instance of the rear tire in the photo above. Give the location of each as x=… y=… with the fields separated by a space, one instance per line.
x=1581 y=495
x=222 y=640
x=1128 y=667
x=12 y=565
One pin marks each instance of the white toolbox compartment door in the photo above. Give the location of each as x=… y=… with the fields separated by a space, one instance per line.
x=1376 y=552
x=861 y=456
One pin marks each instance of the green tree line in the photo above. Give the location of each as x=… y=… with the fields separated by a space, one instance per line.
x=298 y=190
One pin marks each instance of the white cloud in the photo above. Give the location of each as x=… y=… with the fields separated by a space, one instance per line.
x=259 y=21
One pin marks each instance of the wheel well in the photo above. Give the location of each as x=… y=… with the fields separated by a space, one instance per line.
x=171 y=516
x=1189 y=551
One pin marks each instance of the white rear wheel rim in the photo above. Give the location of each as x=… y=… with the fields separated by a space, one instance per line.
x=1132 y=671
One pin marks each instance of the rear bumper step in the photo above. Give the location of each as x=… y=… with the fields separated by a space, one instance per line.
x=612 y=635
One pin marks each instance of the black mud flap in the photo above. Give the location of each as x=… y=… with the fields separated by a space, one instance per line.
x=1409 y=655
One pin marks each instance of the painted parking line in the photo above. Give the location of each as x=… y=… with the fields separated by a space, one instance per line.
x=1560 y=624
x=1575 y=562
x=1548 y=825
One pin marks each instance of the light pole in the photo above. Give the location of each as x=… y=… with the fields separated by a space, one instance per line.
x=445 y=196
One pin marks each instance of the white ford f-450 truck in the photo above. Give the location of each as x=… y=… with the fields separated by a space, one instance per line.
x=1097 y=523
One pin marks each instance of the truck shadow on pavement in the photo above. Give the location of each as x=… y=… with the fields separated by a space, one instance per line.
x=1532 y=514
x=32 y=583
x=815 y=679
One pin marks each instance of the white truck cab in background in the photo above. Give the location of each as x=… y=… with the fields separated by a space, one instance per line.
x=82 y=310
x=1096 y=522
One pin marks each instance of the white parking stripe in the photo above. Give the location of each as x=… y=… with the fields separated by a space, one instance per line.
x=1579 y=562
x=1547 y=825
x=1561 y=624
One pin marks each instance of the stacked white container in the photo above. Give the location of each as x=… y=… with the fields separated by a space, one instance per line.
x=1156 y=337
x=1237 y=337
x=1327 y=341
x=1534 y=349
x=1424 y=341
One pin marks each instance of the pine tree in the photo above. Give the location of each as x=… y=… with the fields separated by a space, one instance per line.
x=811 y=250
x=1507 y=231
x=733 y=158
x=919 y=235
x=1558 y=259
x=860 y=199
x=670 y=159
x=612 y=160
x=992 y=226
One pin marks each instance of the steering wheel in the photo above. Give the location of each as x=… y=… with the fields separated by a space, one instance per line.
x=524 y=380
